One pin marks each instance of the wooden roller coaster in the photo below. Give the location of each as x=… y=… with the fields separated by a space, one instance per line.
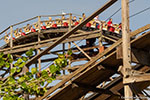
x=96 y=72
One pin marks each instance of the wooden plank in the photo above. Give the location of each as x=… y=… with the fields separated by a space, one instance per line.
x=11 y=38
x=137 y=78
x=39 y=39
x=142 y=29
x=92 y=88
x=126 y=46
x=109 y=38
x=82 y=51
x=54 y=15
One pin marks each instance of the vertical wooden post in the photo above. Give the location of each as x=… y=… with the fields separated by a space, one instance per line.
x=11 y=37
x=126 y=47
x=100 y=38
x=36 y=64
x=69 y=43
x=63 y=53
x=39 y=31
x=70 y=20
x=11 y=42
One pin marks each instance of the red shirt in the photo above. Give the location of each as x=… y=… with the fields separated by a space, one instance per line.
x=88 y=25
x=76 y=23
x=33 y=30
x=65 y=24
x=43 y=27
x=54 y=25
x=120 y=27
x=109 y=23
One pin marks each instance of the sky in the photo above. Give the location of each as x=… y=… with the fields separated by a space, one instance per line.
x=13 y=11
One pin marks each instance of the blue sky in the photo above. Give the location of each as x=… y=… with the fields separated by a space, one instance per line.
x=13 y=11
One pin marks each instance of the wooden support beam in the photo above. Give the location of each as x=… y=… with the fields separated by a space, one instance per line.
x=137 y=78
x=82 y=51
x=66 y=35
x=109 y=38
x=69 y=43
x=126 y=46
x=63 y=47
x=11 y=43
x=39 y=31
x=91 y=88
x=69 y=48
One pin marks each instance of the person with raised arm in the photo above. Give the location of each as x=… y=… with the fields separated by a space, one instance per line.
x=98 y=22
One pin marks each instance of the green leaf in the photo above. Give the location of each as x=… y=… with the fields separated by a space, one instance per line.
x=16 y=64
x=52 y=68
x=24 y=58
x=23 y=85
x=29 y=53
x=1 y=54
x=44 y=74
x=64 y=63
x=1 y=82
x=19 y=61
x=42 y=83
x=6 y=90
x=20 y=98
x=9 y=56
x=33 y=70
x=61 y=55
x=11 y=81
x=69 y=52
x=38 y=91
x=7 y=65
x=18 y=70
x=13 y=70
x=29 y=74
x=21 y=79
x=21 y=65
x=10 y=60
x=2 y=63
x=49 y=80
x=4 y=58
x=5 y=98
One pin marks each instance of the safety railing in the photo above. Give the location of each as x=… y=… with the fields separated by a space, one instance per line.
x=14 y=31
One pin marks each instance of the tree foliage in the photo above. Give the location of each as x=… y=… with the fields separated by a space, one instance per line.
x=32 y=82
